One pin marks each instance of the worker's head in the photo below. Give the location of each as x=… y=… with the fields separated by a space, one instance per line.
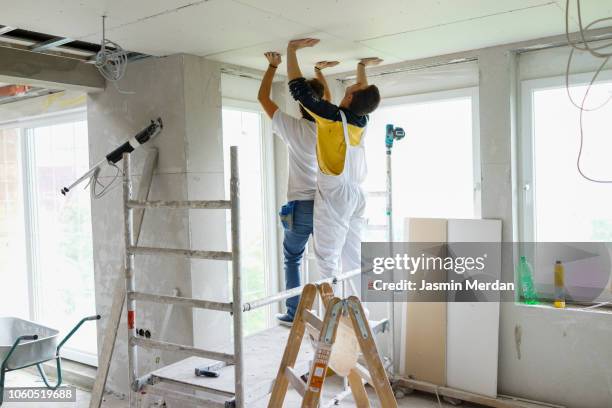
x=317 y=88
x=361 y=100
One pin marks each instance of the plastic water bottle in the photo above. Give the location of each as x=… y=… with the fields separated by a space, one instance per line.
x=528 y=293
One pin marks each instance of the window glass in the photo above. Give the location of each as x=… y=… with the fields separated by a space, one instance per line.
x=568 y=207
x=243 y=129
x=13 y=261
x=62 y=228
x=433 y=166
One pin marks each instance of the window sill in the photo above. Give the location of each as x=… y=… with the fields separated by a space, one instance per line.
x=573 y=307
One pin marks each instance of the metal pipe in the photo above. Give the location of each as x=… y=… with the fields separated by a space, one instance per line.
x=255 y=304
x=130 y=281
x=166 y=346
x=210 y=204
x=181 y=301
x=189 y=253
x=236 y=280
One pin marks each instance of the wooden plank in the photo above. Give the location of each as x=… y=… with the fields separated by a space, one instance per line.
x=425 y=324
x=358 y=389
x=144 y=187
x=49 y=71
x=473 y=327
x=114 y=317
x=292 y=348
x=499 y=402
x=380 y=381
x=296 y=381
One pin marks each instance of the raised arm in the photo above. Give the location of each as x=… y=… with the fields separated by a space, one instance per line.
x=362 y=78
x=319 y=67
x=268 y=105
x=293 y=67
x=300 y=90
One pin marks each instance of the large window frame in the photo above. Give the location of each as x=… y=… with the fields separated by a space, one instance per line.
x=525 y=159
x=25 y=128
x=271 y=272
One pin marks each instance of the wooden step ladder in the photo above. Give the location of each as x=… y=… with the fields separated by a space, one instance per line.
x=325 y=330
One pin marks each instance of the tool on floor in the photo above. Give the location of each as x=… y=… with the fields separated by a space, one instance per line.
x=113 y=157
x=32 y=344
x=206 y=372
x=326 y=332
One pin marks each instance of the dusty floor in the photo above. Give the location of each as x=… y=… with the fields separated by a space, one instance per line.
x=24 y=379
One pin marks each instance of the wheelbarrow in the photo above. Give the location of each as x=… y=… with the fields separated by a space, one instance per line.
x=24 y=344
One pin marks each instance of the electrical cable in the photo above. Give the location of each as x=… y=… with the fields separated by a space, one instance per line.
x=111 y=62
x=584 y=46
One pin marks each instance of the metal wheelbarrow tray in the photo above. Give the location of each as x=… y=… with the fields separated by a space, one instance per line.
x=24 y=343
x=28 y=352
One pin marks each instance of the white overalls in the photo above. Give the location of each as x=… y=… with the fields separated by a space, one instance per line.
x=338 y=212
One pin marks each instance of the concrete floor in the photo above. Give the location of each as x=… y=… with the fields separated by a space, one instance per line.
x=333 y=385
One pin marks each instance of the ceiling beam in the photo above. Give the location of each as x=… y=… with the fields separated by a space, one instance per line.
x=52 y=43
x=6 y=29
x=49 y=71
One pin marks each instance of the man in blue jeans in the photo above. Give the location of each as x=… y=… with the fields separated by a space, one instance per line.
x=300 y=137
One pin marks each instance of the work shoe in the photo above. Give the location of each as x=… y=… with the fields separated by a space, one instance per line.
x=284 y=319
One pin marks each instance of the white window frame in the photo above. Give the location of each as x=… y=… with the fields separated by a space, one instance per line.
x=30 y=212
x=525 y=160
x=269 y=197
x=460 y=93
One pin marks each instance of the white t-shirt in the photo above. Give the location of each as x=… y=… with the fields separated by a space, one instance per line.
x=301 y=138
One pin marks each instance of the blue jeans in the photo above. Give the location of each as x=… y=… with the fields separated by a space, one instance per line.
x=295 y=240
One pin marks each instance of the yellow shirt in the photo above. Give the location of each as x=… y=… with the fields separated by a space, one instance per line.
x=331 y=148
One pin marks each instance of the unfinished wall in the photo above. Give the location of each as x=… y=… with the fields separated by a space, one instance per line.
x=184 y=91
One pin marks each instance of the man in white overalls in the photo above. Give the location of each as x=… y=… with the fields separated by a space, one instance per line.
x=339 y=200
x=300 y=136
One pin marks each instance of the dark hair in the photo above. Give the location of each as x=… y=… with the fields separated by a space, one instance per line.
x=365 y=101
x=318 y=89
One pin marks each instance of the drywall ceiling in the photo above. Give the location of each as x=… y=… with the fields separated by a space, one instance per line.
x=239 y=31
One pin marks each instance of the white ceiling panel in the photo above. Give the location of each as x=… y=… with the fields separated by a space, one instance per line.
x=330 y=48
x=210 y=28
x=359 y=20
x=239 y=31
x=472 y=34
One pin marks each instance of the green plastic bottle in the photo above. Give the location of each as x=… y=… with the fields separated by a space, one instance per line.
x=528 y=293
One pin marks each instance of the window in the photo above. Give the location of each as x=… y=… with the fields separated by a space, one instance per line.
x=556 y=203
x=244 y=127
x=46 y=237
x=436 y=164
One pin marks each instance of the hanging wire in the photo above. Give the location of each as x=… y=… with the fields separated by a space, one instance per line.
x=95 y=183
x=584 y=46
x=111 y=62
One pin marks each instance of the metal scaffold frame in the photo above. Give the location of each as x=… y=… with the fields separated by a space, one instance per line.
x=234 y=307
x=185 y=391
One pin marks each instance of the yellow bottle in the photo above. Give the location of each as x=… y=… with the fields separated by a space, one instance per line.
x=559 y=285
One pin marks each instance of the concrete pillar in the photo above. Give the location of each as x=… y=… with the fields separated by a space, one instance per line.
x=184 y=91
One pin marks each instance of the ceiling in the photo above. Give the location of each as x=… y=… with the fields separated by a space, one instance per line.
x=240 y=31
